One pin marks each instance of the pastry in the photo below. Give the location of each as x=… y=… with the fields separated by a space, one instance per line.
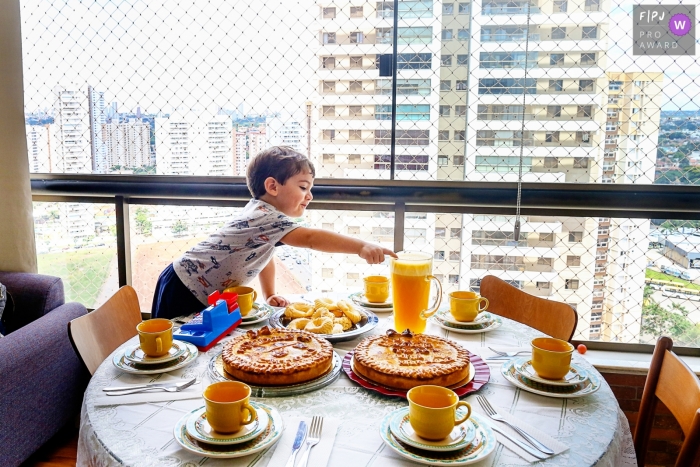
x=277 y=357
x=406 y=360
x=324 y=316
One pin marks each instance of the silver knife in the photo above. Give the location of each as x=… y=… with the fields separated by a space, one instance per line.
x=525 y=447
x=141 y=386
x=298 y=441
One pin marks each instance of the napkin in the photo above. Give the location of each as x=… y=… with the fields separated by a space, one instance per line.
x=540 y=436
x=192 y=392
x=319 y=453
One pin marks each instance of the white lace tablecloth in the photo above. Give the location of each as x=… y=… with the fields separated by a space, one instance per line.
x=593 y=427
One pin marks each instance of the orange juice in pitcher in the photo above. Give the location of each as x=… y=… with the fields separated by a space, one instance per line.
x=411 y=275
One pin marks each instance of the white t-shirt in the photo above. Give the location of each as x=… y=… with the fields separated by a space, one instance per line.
x=236 y=253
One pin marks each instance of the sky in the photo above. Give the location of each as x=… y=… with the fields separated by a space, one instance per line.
x=166 y=54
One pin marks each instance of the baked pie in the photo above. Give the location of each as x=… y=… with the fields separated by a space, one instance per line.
x=276 y=357
x=405 y=360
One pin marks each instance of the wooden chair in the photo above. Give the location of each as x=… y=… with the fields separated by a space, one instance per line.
x=553 y=318
x=96 y=335
x=673 y=383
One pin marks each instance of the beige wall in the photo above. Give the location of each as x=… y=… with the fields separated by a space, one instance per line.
x=17 y=247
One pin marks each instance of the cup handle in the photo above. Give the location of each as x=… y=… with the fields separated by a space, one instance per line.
x=466 y=417
x=486 y=305
x=253 y=414
x=159 y=345
x=425 y=314
x=255 y=296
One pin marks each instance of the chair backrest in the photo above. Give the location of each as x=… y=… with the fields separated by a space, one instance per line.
x=96 y=335
x=673 y=383
x=553 y=318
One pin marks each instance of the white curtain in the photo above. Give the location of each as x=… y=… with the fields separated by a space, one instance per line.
x=17 y=246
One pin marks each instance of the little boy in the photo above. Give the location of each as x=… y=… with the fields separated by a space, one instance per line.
x=280 y=180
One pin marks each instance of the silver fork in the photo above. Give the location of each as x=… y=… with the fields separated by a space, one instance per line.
x=509 y=354
x=174 y=388
x=491 y=412
x=312 y=438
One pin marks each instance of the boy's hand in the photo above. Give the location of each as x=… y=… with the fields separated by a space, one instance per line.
x=374 y=254
x=277 y=300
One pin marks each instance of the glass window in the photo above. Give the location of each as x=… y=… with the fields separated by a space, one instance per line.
x=417 y=35
x=442 y=160
x=454 y=256
x=462 y=59
x=573 y=261
x=354 y=159
x=551 y=162
x=357 y=12
x=357 y=37
x=455 y=232
x=575 y=237
x=329 y=13
x=463 y=34
x=590 y=32
x=416 y=9
x=559 y=33
x=560 y=6
x=556 y=85
x=329 y=62
x=458 y=161
x=443 y=135
x=446 y=34
x=460 y=135
x=439 y=255
x=556 y=59
x=464 y=8
x=460 y=110
x=571 y=284
x=586 y=85
x=403 y=112
x=440 y=232
x=355 y=62
x=588 y=58
x=580 y=162
x=448 y=9
x=445 y=110
x=453 y=279
x=461 y=85
x=409 y=61
x=546 y=237
x=329 y=38
x=446 y=60
x=445 y=85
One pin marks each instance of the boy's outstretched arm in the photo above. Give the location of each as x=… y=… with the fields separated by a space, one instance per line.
x=267 y=284
x=331 y=242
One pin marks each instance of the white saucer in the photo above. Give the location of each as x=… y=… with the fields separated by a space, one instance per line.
x=481 y=318
x=590 y=385
x=495 y=323
x=198 y=428
x=460 y=437
x=260 y=312
x=136 y=355
x=576 y=374
x=360 y=299
x=127 y=366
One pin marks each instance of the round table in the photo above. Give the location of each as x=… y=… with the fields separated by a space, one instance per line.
x=593 y=427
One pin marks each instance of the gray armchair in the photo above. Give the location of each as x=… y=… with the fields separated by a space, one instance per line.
x=42 y=380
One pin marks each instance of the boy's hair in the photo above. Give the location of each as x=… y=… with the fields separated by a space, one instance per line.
x=278 y=162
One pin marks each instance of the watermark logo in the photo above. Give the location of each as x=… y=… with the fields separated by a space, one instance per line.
x=663 y=30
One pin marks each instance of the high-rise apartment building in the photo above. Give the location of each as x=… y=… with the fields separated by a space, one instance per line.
x=97 y=113
x=39 y=147
x=127 y=144
x=285 y=132
x=247 y=142
x=480 y=87
x=193 y=143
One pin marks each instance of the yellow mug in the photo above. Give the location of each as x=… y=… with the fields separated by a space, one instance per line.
x=432 y=411
x=246 y=298
x=551 y=358
x=376 y=289
x=465 y=305
x=228 y=406
x=155 y=336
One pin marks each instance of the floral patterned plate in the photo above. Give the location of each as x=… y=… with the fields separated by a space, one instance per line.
x=199 y=429
x=267 y=438
x=484 y=442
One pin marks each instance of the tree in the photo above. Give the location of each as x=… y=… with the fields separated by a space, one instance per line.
x=143 y=224
x=179 y=228
x=659 y=321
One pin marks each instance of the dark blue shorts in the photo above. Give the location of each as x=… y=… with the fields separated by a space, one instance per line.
x=171 y=298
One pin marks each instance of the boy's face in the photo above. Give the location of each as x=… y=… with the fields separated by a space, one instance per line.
x=293 y=197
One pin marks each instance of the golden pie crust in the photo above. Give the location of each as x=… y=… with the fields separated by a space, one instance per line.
x=405 y=360
x=276 y=357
